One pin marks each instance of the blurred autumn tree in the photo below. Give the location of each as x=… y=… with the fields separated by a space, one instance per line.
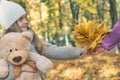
x=53 y=20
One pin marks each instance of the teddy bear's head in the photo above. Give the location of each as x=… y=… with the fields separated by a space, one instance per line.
x=14 y=47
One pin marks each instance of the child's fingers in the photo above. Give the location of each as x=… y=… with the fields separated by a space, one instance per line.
x=85 y=50
x=27 y=68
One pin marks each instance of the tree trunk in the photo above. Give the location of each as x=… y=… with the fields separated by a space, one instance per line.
x=75 y=11
x=60 y=17
x=100 y=10
x=113 y=11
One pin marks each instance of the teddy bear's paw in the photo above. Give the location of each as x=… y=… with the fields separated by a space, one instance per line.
x=44 y=65
x=3 y=72
x=3 y=68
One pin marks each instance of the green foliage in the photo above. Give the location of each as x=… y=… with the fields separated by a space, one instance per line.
x=87 y=5
x=21 y=2
x=43 y=0
x=1 y=29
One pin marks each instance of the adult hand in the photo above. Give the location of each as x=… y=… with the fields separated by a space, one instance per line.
x=98 y=49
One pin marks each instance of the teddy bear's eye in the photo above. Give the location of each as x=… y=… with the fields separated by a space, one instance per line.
x=10 y=50
x=16 y=49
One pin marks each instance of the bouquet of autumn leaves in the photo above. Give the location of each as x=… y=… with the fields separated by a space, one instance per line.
x=89 y=33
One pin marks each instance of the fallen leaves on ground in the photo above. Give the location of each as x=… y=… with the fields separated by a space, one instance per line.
x=105 y=66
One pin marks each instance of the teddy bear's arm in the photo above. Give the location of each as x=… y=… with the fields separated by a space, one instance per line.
x=3 y=68
x=42 y=63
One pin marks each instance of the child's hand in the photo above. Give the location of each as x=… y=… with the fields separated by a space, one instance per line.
x=27 y=68
x=98 y=49
x=85 y=50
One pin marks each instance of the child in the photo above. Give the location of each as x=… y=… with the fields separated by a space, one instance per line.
x=12 y=19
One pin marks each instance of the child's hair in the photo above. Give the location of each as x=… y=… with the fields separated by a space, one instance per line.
x=13 y=28
x=39 y=45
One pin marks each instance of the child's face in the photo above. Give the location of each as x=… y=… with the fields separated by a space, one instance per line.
x=23 y=23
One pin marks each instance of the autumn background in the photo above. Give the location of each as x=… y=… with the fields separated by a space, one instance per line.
x=53 y=21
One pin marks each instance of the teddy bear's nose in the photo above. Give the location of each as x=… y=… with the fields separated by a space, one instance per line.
x=17 y=59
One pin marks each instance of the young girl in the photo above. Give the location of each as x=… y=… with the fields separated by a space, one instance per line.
x=12 y=19
x=110 y=41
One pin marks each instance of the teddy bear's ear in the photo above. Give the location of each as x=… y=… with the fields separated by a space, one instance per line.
x=28 y=35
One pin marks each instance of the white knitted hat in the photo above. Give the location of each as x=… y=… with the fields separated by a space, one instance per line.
x=9 y=13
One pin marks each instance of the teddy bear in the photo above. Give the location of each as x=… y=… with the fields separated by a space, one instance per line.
x=15 y=50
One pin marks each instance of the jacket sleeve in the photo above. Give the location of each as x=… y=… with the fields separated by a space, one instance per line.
x=112 y=38
x=63 y=52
